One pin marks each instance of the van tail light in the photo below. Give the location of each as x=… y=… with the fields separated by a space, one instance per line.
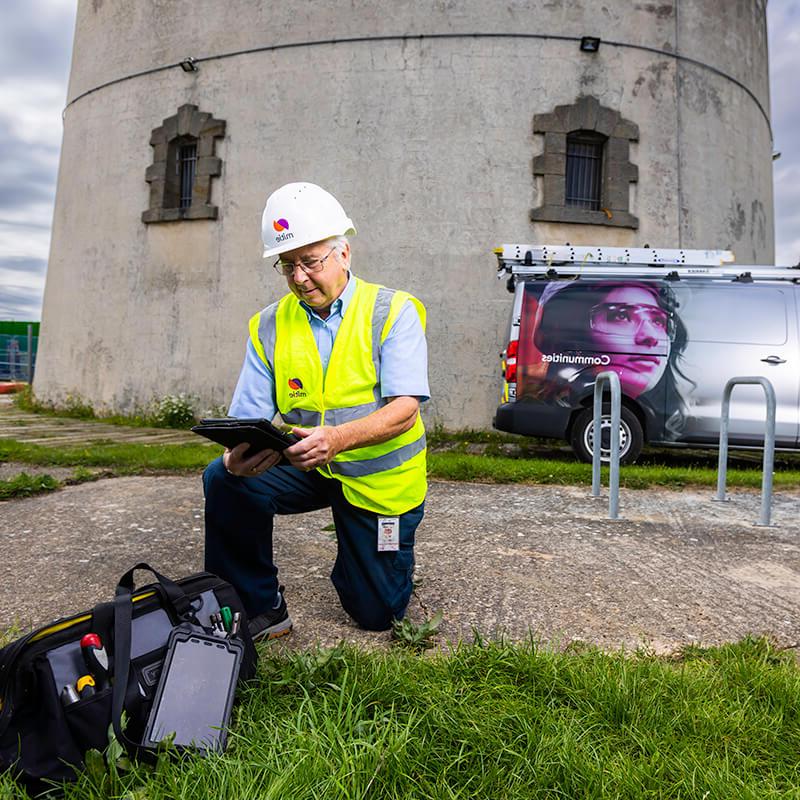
x=511 y=361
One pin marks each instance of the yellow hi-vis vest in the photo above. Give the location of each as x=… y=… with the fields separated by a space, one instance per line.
x=388 y=478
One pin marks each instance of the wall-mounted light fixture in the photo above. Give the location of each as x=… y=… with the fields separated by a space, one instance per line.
x=776 y=155
x=590 y=44
x=188 y=65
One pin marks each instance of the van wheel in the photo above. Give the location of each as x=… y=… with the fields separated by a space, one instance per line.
x=631 y=436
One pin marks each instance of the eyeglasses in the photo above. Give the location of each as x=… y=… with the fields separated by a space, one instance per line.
x=308 y=265
x=623 y=317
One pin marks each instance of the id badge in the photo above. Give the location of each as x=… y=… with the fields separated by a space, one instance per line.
x=388 y=534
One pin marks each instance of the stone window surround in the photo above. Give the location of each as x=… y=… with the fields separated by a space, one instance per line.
x=189 y=121
x=586 y=114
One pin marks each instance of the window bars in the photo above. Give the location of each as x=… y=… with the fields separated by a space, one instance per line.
x=584 y=170
x=187 y=161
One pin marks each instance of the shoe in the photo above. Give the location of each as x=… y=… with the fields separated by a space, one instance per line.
x=273 y=623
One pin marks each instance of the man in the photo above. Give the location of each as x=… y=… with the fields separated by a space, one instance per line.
x=345 y=362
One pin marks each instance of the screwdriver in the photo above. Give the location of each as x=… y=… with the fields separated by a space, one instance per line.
x=95 y=657
x=218 y=626
x=85 y=686
x=69 y=695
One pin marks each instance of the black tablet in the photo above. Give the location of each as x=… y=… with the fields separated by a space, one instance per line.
x=195 y=691
x=260 y=434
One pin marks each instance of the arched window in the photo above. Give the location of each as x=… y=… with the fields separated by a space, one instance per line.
x=584 y=170
x=181 y=164
x=184 y=164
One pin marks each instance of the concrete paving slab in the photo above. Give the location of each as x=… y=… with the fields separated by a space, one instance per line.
x=50 y=431
x=503 y=560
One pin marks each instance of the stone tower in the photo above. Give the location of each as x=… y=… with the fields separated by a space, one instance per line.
x=445 y=129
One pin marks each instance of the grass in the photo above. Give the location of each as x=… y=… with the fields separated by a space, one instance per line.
x=565 y=471
x=24 y=485
x=494 y=457
x=502 y=457
x=674 y=470
x=170 y=411
x=120 y=458
x=492 y=720
x=438 y=436
x=114 y=459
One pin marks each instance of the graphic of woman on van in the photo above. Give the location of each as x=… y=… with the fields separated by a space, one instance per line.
x=630 y=320
x=581 y=328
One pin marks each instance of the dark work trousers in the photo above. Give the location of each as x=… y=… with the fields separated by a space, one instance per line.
x=373 y=587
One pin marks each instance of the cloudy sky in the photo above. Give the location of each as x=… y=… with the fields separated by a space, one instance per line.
x=35 y=46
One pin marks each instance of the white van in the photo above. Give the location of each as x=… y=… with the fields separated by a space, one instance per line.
x=674 y=325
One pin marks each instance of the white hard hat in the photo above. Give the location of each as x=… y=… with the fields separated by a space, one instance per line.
x=298 y=214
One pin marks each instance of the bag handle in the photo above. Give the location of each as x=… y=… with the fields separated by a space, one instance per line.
x=173 y=593
x=123 y=620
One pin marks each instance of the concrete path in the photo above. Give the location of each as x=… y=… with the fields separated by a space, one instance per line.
x=502 y=560
x=506 y=561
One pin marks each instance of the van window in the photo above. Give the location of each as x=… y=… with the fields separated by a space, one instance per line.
x=608 y=316
x=745 y=314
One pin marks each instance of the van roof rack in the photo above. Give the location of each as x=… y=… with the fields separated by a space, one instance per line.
x=528 y=260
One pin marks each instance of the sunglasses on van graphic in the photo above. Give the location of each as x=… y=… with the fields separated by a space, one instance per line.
x=622 y=318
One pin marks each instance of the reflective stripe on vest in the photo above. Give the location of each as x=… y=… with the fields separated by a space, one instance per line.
x=369 y=466
x=266 y=333
x=380 y=315
x=338 y=416
x=302 y=418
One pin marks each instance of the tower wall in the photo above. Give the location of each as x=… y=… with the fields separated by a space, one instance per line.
x=427 y=142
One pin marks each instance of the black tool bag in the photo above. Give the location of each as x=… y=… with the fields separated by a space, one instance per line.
x=44 y=736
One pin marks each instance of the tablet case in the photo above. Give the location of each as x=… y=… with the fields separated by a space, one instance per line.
x=260 y=434
x=195 y=692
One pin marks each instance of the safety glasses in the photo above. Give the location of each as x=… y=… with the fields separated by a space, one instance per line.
x=620 y=318
x=308 y=265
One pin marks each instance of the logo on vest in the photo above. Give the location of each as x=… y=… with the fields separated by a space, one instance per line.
x=296 y=385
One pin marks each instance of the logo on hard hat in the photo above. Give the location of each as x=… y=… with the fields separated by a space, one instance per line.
x=297 y=386
x=282 y=227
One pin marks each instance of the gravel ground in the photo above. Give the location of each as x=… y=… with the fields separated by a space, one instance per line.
x=509 y=561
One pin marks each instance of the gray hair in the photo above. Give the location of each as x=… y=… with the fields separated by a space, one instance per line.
x=338 y=242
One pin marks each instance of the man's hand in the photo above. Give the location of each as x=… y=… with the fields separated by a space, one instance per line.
x=317 y=447
x=235 y=462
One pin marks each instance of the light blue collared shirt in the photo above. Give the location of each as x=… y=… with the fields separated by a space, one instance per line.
x=403 y=370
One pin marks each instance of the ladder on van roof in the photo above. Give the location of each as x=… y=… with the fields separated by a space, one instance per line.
x=530 y=260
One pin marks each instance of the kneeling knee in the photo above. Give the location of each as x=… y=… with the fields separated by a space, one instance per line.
x=376 y=618
x=214 y=473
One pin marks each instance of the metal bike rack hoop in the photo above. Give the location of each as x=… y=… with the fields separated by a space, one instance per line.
x=616 y=405
x=769 y=443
